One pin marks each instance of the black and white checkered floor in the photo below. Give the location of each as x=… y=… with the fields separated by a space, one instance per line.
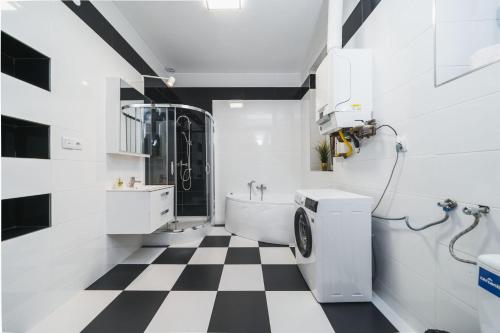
x=223 y=283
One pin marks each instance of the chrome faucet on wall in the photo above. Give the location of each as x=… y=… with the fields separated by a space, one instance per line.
x=261 y=188
x=250 y=185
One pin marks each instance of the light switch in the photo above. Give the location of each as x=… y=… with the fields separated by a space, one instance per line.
x=71 y=143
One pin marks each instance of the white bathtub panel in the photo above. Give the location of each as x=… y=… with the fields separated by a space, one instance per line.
x=270 y=222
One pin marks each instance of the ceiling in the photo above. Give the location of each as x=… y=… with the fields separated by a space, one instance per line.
x=266 y=36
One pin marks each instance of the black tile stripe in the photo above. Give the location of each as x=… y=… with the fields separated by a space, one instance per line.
x=359 y=15
x=202 y=97
x=243 y=256
x=264 y=244
x=309 y=82
x=240 y=311
x=199 y=277
x=283 y=278
x=215 y=241
x=118 y=278
x=173 y=255
x=352 y=24
x=97 y=22
x=357 y=317
x=155 y=89
x=131 y=311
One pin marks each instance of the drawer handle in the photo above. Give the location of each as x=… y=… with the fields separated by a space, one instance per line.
x=165 y=193
x=165 y=211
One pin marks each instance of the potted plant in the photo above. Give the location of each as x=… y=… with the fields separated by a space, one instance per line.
x=324 y=154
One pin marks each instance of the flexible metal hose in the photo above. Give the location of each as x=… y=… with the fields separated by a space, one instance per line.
x=407 y=221
x=460 y=234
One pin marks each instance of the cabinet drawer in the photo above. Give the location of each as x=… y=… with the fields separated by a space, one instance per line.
x=162 y=207
x=167 y=215
x=165 y=198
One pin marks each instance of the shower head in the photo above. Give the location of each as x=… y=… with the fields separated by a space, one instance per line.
x=186 y=118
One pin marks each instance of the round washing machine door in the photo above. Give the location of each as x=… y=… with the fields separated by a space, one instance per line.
x=303 y=236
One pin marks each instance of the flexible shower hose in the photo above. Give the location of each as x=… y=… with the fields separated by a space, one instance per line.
x=460 y=234
x=186 y=178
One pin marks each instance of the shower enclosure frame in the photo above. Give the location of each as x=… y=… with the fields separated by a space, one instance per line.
x=209 y=153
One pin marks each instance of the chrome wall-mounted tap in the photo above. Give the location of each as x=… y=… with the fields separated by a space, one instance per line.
x=250 y=185
x=261 y=188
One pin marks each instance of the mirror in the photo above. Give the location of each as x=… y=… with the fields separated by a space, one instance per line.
x=467 y=37
x=132 y=122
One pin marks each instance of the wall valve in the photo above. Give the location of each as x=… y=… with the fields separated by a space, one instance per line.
x=448 y=205
x=476 y=211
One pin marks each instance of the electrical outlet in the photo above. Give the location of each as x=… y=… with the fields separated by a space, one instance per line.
x=401 y=145
x=70 y=143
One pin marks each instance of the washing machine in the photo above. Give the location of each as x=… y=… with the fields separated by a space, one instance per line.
x=333 y=244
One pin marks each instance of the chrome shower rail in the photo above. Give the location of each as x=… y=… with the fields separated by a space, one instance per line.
x=168 y=105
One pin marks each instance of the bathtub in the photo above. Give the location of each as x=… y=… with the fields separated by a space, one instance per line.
x=268 y=221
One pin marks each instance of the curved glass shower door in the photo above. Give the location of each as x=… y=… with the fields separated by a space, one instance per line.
x=180 y=142
x=210 y=169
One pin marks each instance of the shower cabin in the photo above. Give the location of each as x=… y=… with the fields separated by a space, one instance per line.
x=179 y=139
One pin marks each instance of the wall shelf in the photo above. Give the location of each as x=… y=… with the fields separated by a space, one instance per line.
x=25 y=63
x=25 y=139
x=24 y=215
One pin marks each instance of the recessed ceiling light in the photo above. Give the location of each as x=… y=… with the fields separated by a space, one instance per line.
x=236 y=105
x=223 y=4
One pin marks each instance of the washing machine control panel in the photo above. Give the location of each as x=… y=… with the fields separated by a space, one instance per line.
x=311 y=204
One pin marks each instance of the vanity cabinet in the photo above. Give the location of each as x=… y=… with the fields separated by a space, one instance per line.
x=140 y=210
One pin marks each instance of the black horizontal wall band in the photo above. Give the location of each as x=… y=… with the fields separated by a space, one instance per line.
x=156 y=89
x=203 y=97
x=359 y=15
x=97 y=22
x=310 y=82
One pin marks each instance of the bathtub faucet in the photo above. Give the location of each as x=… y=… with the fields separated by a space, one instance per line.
x=250 y=187
x=261 y=188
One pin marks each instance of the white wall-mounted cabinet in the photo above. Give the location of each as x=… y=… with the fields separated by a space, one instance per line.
x=125 y=129
x=139 y=211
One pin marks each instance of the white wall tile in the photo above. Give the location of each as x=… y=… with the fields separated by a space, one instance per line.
x=72 y=204
x=459 y=10
x=456 y=278
x=75 y=251
x=454 y=316
x=259 y=142
x=411 y=289
x=25 y=176
x=453 y=152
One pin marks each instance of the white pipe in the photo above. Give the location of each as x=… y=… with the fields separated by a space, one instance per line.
x=335 y=15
